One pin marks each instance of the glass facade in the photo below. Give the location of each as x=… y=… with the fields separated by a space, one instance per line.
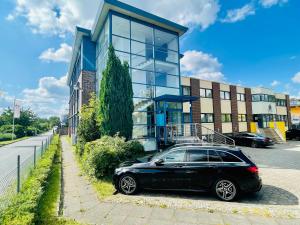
x=153 y=56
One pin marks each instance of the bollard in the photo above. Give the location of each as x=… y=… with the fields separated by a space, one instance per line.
x=34 y=158
x=18 y=175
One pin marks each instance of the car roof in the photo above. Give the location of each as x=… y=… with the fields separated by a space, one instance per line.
x=207 y=146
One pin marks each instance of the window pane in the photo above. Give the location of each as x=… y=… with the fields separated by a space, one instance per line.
x=242 y=97
x=145 y=118
x=164 y=67
x=227 y=95
x=214 y=156
x=166 y=80
x=202 y=93
x=142 y=49
x=186 y=117
x=208 y=93
x=197 y=155
x=120 y=26
x=186 y=90
x=141 y=33
x=124 y=57
x=226 y=157
x=143 y=77
x=166 y=40
x=222 y=94
x=166 y=91
x=210 y=118
x=141 y=131
x=143 y=91
x=121 y=44
x=203 y=118
x=142 y=63
x=176 y=156
x=143 y=104
x=165 y=55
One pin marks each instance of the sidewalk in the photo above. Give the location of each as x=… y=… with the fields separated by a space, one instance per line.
x=81 y=203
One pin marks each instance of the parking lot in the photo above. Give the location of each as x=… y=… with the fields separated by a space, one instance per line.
x=280 y=171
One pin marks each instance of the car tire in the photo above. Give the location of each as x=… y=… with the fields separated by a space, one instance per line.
x=226 y=190
x=253 y=144
x=128 y=184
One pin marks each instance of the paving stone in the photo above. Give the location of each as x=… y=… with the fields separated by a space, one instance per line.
x=162 y=214
x=235 y=219
x=186 y=216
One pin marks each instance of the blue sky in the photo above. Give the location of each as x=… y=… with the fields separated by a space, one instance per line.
x=247 y=42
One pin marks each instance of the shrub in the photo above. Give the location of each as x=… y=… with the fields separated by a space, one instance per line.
x=102 y=156
x=88 y=128
x=6 y=137
x=31 y=131
x=19 y=131
x=23 y=208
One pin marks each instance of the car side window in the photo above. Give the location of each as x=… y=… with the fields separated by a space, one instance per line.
x=197 y=155
x=214 y=156
x=226 y=157
x=175 y=156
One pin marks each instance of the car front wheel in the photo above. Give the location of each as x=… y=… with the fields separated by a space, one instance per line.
x=226 y=190
x=254 y=144
x=128 y=184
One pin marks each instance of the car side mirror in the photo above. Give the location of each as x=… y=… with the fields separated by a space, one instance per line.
x=159 y=162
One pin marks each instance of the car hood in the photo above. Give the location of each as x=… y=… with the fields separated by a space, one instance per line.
x=136 y=162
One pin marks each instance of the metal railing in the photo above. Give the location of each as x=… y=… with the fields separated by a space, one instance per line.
x=195 y=132
x=11 y=183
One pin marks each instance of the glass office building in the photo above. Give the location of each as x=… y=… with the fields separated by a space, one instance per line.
x=153 y=56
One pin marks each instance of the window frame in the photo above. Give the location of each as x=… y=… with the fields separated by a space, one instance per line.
x=224 y=115
x=206 y=117
x=239 y=97
x=225 y=95
x=205 y=92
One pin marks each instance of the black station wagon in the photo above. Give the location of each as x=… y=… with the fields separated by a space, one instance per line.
x=225 y=171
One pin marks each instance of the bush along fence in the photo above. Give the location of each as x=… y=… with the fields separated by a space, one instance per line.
x=12 y=183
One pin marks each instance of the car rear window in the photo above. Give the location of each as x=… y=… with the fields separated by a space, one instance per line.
x=214 y=156
x=197 y=156
x=227 y=157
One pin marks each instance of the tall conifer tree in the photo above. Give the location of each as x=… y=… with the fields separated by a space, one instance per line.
x=116 y=104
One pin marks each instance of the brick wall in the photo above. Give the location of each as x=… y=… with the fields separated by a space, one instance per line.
x=217 y=107
x=288 y=108
x=248 y=98
x=234 y=109
x=196 y=108
x=88 y=85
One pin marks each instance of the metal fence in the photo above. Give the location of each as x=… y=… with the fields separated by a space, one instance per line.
x=12 y=182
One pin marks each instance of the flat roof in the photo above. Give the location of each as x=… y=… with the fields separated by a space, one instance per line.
x=132 y=11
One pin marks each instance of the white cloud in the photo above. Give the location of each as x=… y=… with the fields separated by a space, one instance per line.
x=201 y=65
x=275 y=83
x=48 y=99
x=56 y=17
x=296 y=78
x=235 y=15
x=293 y=57
x=186 y=12
x=270 y=3
x=63 y=54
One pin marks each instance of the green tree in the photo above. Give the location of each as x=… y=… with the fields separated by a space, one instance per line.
x=88 y=128
x=116 y=105
x=54 y=121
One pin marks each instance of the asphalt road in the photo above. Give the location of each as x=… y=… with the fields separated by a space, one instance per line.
x=25 y=148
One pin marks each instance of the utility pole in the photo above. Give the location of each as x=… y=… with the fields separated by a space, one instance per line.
x=13 y=126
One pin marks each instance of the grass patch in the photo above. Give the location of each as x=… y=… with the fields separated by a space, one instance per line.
x=104 y=187
x=3 y=143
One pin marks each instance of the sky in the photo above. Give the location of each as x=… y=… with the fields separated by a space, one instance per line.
x=246 y=42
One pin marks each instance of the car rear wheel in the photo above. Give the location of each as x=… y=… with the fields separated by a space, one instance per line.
x=226 y=190
x=128 y=184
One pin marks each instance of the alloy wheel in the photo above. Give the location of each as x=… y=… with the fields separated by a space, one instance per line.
x=128 y=185
x=226 y=190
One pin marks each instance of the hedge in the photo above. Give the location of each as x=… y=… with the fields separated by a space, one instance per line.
x=6 y=137
x=23 y=208
x=102 y=156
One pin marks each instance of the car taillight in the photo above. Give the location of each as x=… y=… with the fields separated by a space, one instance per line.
x=252 y=169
